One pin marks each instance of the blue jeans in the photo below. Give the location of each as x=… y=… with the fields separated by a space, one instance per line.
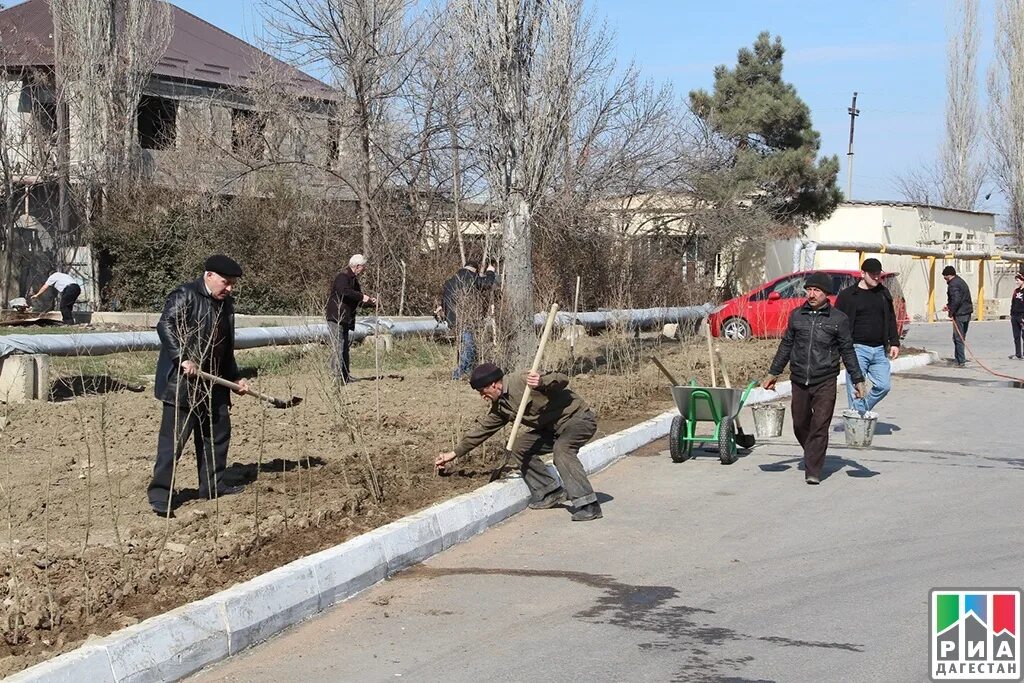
x=467 y=355
x=958 y=343
x=874 y=363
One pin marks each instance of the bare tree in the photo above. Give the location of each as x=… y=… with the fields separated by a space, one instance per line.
x=922 y=185
x=961 y=175
x=1006 y=105
x=27 y=152
x=106 y=51
x=366 y=43
x=528 y=60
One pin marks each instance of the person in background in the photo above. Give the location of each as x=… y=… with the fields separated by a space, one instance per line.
x=1017 y=315
x=869 y=307
x=345 y=296
x=463 y=308
x=68 y=290
x=960 y=309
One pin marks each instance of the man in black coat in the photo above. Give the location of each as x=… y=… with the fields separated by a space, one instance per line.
x=868 y=305
x=197 y=332
x=817 y=337
x=463 y=309
x=960 y=310
x=345 y=296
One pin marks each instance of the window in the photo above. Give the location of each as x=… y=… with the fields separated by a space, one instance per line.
x=247 y=129
x=841 y=281
x=158 y=122
x=788 y=288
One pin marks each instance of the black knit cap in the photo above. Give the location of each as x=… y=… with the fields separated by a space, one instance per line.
x=871 y=265
x=485 y=375
x=223 y=265
x=949 y=270
x=822 y=281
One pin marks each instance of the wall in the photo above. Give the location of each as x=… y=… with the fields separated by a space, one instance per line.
x=912 y=226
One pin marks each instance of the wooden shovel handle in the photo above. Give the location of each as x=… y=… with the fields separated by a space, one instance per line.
x=235 y=387
x=536 y=366
x=721 y=366
x=711 y=354
x=665 y=371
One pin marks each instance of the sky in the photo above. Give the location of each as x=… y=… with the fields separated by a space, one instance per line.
x=892 y=52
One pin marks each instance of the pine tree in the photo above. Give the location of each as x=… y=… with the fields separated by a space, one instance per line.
x=770 y=148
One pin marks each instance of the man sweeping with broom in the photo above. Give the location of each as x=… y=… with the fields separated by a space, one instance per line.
x=556 y=420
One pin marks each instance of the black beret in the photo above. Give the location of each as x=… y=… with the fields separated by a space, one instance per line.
x=949 y=270
x=485 y=375
x=223 y=265
x=822 y=281
x=871 y=265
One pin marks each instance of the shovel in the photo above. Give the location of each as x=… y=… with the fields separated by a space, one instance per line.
x=665 y=371
x=496 y=474
x=742 y=440
x=276 y=402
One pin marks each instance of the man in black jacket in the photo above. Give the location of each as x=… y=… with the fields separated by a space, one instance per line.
x=345 y=296
x=960 y=309
x=464 y=310
x=876 y=340
x=197 y=332
x=816 y=338
x=1017 y=316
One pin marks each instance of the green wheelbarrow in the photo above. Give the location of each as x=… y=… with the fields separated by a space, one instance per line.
x=706 y=404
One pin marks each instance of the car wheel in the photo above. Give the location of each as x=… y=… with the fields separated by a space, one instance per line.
x=736 y=329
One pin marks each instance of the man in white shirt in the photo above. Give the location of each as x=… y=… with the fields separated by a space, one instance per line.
x=68 y=291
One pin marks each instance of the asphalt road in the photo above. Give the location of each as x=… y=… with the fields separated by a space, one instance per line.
x=704 y=572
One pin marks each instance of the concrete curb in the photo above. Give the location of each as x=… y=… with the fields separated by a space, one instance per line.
x=174 y=645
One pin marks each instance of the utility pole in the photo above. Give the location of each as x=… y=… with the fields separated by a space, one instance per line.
x=854 y=113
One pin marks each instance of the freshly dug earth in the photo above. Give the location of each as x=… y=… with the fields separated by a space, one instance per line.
x=84 y=555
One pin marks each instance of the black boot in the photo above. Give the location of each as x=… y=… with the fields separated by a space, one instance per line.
x=588 y=512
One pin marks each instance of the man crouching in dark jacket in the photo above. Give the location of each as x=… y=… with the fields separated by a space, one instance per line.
x=197 y=332
x=815 y=339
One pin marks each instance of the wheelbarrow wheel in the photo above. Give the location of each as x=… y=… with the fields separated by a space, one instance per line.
x=678 y=451
x=727 y=443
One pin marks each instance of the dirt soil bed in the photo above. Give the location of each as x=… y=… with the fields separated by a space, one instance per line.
x=83 y=555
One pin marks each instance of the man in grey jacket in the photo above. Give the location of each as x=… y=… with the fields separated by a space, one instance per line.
x=960 y=310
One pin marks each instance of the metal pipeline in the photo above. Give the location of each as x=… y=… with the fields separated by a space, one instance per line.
x=104 y=343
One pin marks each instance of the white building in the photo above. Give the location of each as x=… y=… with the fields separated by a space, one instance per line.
x=908 y=224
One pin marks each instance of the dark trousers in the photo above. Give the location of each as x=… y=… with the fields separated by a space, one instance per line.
x=1016 y=320
x=958 y=342
x=565 y=444
x=341 y=339
x=209 y=425
x=67 y=303
x=812 y=415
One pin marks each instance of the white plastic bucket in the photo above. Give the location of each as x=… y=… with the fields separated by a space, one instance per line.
x=768 y=418
x=859 y=429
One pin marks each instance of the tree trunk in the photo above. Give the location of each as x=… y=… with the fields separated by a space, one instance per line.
x=457 y=193
x=365 y=179
x=63 y=143
x=517 y=297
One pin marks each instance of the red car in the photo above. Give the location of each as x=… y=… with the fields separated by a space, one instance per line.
x=764 y=311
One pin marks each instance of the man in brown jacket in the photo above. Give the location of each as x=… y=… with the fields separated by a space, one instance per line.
x=556 y=421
